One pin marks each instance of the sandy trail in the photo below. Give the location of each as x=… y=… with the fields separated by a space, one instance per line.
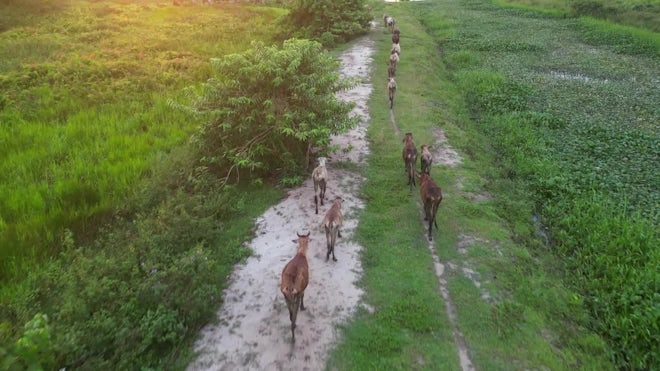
x=253 y=332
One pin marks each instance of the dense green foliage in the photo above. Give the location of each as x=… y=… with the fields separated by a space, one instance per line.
x=617 y=265
x=577 y=143
x=136 y=296
x=622 y=39
x=329 y=21
x=83 y=106
x=268 y=107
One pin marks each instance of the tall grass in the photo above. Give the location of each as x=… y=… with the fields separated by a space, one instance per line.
x=83 y=107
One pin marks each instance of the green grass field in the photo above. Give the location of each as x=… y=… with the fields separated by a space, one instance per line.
x=84 y=107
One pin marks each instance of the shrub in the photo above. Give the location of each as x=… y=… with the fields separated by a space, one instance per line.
x=343 y=18
x=128 y=299
x=327 y=39
x=267 y=107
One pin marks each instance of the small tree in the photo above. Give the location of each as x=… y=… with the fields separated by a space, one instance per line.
x=315 y=19
x=267 y=107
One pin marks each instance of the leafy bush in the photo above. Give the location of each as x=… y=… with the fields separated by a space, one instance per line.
x=267 y=107
x=134 y=295
x=327 y=39
x=343 y=18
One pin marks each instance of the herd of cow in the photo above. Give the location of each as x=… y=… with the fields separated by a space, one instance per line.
x=295 y=275
x=430 y=192
x=395 y=54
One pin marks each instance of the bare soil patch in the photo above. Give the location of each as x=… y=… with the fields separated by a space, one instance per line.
x=442 y=152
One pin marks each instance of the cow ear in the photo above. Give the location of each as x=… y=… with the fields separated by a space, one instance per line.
x=295 y=241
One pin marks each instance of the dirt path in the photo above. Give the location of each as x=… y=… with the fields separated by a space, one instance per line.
x=254 y=329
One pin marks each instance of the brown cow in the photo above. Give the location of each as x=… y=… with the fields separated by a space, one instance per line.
x=391 y=90
x=396 y=48
x=409 y=154
x=431 y=198
x=295 y=277
x=320 y=177
x=426 y=160
x=391 y=72
x=332 y=222
x=394 y=58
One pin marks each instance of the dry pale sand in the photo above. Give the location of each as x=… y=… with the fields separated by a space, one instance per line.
x=253 y=332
